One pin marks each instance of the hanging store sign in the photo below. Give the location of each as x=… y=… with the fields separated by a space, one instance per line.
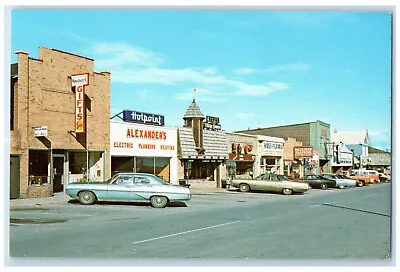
x=143 y=118
x=41 y=131
x=79 y=82
x=303 y=152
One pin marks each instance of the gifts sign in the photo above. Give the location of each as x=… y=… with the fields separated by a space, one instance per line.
x=79 y=82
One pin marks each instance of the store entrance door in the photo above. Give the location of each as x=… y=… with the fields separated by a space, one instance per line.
x=58 y=173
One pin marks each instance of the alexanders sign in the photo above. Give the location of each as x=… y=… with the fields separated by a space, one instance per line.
x=79 y=82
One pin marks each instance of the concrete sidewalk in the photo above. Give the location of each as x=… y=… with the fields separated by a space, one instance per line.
x=196 y=188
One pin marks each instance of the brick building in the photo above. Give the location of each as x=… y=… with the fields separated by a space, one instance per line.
x=47 y=149
x=315 y=134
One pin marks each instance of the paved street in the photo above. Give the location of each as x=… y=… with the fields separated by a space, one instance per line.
x=227 y=225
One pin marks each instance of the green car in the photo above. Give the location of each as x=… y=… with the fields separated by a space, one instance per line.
x=270 y=183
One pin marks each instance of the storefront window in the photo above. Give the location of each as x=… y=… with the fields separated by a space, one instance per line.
x=38 y=167
x=145 y=165
x=161 y=168
x=122 y=164
x=77 y=162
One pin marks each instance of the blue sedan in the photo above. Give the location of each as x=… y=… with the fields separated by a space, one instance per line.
x=129 y=187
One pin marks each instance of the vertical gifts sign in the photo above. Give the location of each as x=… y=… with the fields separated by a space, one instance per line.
x=79 y=82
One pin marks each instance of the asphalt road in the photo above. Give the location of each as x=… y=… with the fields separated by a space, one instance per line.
x=335 y=225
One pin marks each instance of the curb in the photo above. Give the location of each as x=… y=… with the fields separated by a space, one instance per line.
x=64 y=198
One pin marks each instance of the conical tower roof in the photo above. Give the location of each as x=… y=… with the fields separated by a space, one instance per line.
x=193 y=111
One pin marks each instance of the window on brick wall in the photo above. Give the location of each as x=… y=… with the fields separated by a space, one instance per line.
x=12 y=103
x=39 y=167
x=77 y=162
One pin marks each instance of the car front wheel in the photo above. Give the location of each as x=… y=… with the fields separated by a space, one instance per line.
x=158 y=201
x=86 y=198
x=360 y=184
x=324 y=186
x=287 y=191
x=244 y=187
x=341 y=186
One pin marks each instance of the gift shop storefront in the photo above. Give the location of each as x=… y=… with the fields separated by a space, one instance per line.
x=144 y=148
x=59 y=123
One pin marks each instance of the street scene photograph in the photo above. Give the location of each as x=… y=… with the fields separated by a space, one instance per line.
x=199 y=136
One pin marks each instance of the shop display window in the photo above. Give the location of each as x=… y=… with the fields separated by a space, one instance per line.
x=38 y=168
x=77 y=162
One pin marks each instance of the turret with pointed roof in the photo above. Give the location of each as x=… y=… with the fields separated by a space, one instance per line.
x=194 y=119
x=193 y=111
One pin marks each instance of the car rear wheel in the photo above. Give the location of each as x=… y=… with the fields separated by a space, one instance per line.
x=86 y=198
x=287 y=191
x=341 y=186
x=324 y=186
x=360 y=184
x=158 y=201
x=244 y=187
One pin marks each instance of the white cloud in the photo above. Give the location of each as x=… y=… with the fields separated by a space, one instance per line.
x=245 y=71
x=130 y=64
x=288 y=68
x=119 y=55
x=278 y=85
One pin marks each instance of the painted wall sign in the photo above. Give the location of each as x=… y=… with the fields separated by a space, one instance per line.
x=271 y=148
x=41 y=131
x=146 y=134
x=241 y=148
x=79 y=82
x=143 y=118
x=129 y=139
x=303 y=152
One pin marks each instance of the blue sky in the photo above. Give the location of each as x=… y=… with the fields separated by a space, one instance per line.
x=251 y=69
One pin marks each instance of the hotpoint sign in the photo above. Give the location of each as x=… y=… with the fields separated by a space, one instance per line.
x=143 y=118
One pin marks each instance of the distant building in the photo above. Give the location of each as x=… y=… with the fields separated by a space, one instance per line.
x=313 y=134
x=357 y=142
x=379 y=160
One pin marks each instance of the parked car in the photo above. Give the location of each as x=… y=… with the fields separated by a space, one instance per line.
x=342 y=181
x=129 y=187
x=362 y=180
x=384 y=177
x=318 y=182
x=270 y=183
x=363 y=172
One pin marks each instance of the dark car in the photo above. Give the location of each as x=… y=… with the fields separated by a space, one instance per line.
x=317 y=182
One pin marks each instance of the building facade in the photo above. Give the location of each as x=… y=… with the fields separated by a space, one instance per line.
x=202 y=153
x=59 y=123
x=315 y=134
x=143 y=148
x=270 y=152
x=242 y=157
